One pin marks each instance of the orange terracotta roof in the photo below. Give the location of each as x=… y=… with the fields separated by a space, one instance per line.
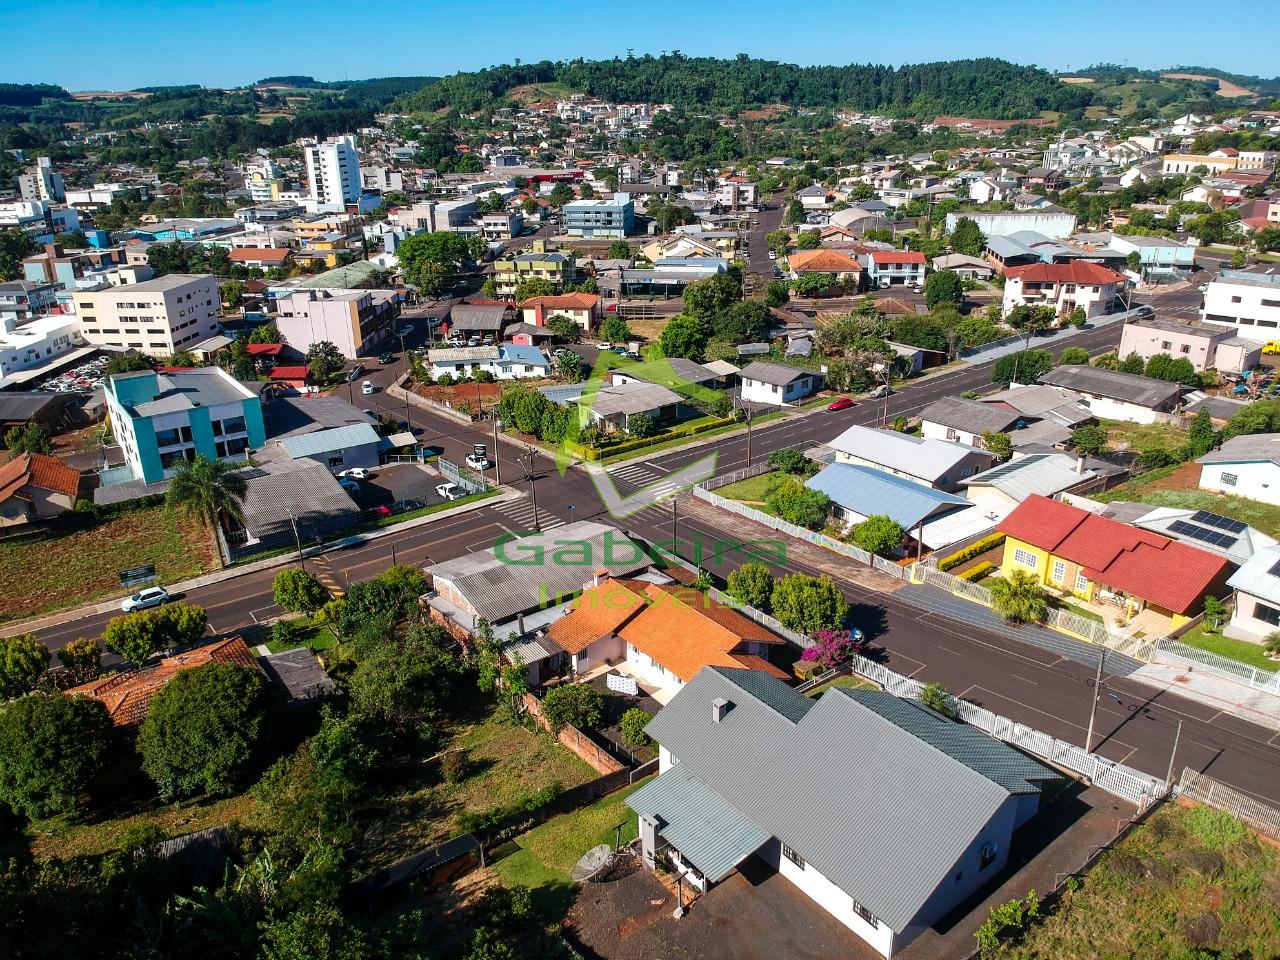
x=684 y=630
x=37 y=470
x=753 y=662
x=599 y=612
x=128 y=696
x=822 y=261
x=565 y=301
x=1076 y=271
x=259 y=255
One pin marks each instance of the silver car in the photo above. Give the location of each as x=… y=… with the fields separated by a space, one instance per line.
x=150 y=597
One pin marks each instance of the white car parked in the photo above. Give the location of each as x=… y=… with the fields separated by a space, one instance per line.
x=354 y=473
x=478 y=463
x=150 y=597
x=449 y=491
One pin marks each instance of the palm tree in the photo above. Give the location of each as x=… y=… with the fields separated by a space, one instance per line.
x=208 y=489
x=1019 y=598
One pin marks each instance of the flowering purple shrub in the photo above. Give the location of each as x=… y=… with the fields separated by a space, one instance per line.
x=832 y=647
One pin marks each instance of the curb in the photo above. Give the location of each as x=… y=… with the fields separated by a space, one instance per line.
x=230 y=573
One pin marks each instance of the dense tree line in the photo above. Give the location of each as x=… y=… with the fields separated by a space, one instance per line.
x=981 y=88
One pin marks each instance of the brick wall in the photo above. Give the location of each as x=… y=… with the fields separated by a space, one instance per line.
x=575 y=740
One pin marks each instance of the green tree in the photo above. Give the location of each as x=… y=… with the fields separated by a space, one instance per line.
x=72 y=240
x=565 y=328
x=704 y=299
x=632 y=727
x=82 y=659
x=943 y=287
x=1074 y=356
x=560 y=195
x=51 y=748
x=966 y=238
x=136 y=636
x=23 y=659
x=1201 y=435
x=31 y=437
x=812 y=284
x=620 y=250
x=14 y=245
x=570 y=368
x=1134 y=261
x=792 y=461
x=795 y=211
x=1238 y=259
x=1019 y=598
x=128 y=363
x=534 y=287
x=1028 y=366
x=878 y=534
x=204 y=730
x=406 y=680
x=745 y=322
x=315 y=931
x=935 y=697
x=808 y=604
x=1090 y=439
x=324 y=359
x=794 y=502
x=1001 y=444
x=267 y=333
x=1215 y=611
x=776 y=293
x=809 y=240
x=1133 y=363
x=1078 y=318
x=573 y=704
x=641 y=425
x=683 y=336
x=752 y=584
x=208 y=489
x=298 y=591
x=232 y=292
x=615 y=329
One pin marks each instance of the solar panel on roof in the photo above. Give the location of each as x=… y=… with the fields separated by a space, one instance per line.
x=1204 y=534
x=1220 y=522
x=1275 y=569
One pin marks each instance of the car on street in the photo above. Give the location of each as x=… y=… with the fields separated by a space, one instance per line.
x=881 y=391
x=351 y=486
x=478 y=463
x=367 y=387
x=354 y=373
x=355 y=473
x=386 y=358
x=604 y=346
x=840 y=403
x=773 y=254
x=150 y=597
x=405 y=331
x=448 y=491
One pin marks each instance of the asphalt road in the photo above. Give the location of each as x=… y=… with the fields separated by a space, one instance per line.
x=1016 y=679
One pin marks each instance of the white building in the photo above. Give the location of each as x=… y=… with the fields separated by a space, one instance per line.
x=36 y=342
x=160 y=317
x=776 y=383
x=1246 y=301
x=506 y=361
x=1064 y=287
x=1256 y=612
x=434 y=216
x=42 y=182
x=333 y=170
x=1246 y=466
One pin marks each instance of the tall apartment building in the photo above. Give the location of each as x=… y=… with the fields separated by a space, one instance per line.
x=434 y=216
x=612 y=218
x=161 y=420
x=42 y=182
x=161 y=316
x=333 y=170
x=357 y=322
x=1246 y=301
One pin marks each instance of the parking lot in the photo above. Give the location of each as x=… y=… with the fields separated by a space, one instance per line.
x=408 y=485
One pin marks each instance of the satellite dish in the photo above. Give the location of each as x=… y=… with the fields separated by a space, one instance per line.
x=592 y=862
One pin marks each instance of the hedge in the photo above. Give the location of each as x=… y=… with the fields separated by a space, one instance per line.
x=639 y=443
x=977 y=571
x=971 y=551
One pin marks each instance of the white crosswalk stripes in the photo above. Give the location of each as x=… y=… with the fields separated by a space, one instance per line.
x=520 y=513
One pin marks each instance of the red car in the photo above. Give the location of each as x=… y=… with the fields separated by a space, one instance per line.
x=380 y=511
x=840 y=403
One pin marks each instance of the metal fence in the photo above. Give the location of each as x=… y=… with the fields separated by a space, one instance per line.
x=1213 y=793
x=1264 y=680
x=743 y=473
x=471 y=482
x=800 y=533
x=1125 y=782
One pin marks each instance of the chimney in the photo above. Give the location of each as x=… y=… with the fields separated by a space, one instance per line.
x=1080 y=463
x=719 y=707
x=599 y=577
x=520 y=623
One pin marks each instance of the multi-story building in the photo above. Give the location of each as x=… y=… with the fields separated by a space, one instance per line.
x=160 y=420
x=736 y=193
x=1246 y=301
x=160 y=316
x=892 y=268
x=1064 y=287
x=42 y=182
x=333 y=170
x=435 y=216
x=57 y=266
x=1215 y=162
x=613 y=217
x=357 y=322
x=23 y=299
x=382 y=179
x=1206 y=346
x=553 y=265
x=33 y=343
x=501 y=225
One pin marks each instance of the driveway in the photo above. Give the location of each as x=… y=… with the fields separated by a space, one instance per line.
x=399 y=481
x=753 y=915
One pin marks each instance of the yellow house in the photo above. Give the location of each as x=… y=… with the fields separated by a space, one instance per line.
x=1102 y=560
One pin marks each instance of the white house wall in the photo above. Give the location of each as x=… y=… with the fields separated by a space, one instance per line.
x=1107 y=409
x=1256 y=481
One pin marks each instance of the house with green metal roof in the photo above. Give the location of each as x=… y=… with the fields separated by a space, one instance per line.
x=884 y=812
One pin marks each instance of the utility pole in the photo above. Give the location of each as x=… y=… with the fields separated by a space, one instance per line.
x=497 y=452
x=527 y=461
x=1168 y=777
x=675 y=539
x=1097 y=695
x=297 y=540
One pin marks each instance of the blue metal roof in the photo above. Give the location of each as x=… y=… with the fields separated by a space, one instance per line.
x=870 y=492
x=323 y=441
x=520 y=353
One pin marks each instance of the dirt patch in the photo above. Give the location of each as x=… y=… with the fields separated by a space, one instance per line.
x=768 y=112
x=1076 y=79
x=1225 y=87
x=461 y=393
x=1185 y=477
x=647 y=330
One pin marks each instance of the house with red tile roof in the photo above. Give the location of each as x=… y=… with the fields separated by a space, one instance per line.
x=36 y=487
x=839 y=265
x=582 y=308
x=128 y=696
x=262 y=257
x=661 y=634
x=1064 y=287
x=1101 y=560
x=895 y=268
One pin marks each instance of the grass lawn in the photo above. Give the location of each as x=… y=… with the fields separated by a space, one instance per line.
x=1190 y=882
x=1241 y=650
x=506 y=765
x=850 y=680
x=542 y=858
x=1264 y=516
x=643 y=452
x=753 y=489
x=315 y=638
x=1141 y=437
x=1077 y=610
x=56 y=569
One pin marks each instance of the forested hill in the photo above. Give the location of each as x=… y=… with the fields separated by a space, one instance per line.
x=989 y=88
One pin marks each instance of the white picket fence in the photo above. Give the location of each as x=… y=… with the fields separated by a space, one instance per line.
x=1213 y=793
x=1263 y=680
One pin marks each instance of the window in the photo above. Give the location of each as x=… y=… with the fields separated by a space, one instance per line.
x=1266 y=614
x=865 y=914
x=1186 y=348
x=1166 y=345
x=1059 y=571
x=335 y=461
x=1235 y=299
x=1082 y=583
x=990 y=850
x=1229 y=479
x=953 y=433
x=793 y=856
x=1024 y=557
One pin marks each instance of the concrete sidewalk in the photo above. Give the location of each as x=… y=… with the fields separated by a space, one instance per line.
x=280 y=560
x=1213 y=690
x=1048 y=339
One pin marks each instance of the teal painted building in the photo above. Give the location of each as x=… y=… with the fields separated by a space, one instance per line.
x=162 y=419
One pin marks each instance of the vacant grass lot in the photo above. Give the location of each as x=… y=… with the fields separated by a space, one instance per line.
x=1141 y=437
x=751 y=490
x=54 y=570
x=506 y=764
x=1190 y=883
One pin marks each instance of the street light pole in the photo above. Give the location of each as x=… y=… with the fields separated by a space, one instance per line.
x=1097 y=695
x=497 y=453
x=302 y=563
x=1168 y=777
x=527 y=461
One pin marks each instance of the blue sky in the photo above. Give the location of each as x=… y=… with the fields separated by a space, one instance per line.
x=90 y=44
